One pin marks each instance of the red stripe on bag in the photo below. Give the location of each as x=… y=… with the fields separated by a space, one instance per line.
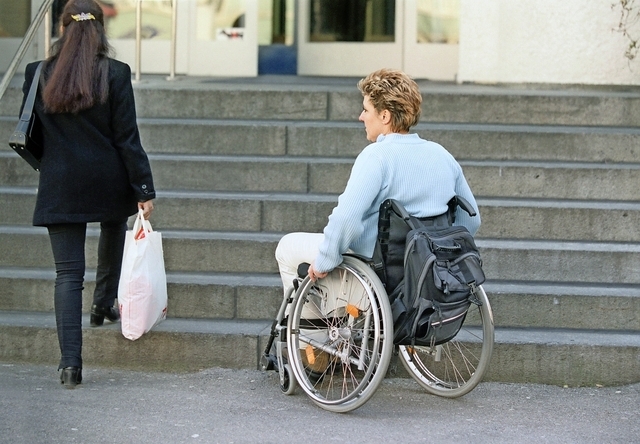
x=140 y=234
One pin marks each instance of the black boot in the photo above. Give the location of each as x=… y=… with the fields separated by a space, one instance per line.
x=99 y=313
x=70 y=377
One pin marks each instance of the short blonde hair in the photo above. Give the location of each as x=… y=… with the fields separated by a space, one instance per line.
x=396 y=92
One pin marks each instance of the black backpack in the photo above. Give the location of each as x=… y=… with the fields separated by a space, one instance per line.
x=432 y=286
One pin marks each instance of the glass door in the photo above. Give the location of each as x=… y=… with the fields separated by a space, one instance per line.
x=349 y=37
x=214 y=37
x=223 y=38
x=432 y=33
x=156 y=15
x=356 y=37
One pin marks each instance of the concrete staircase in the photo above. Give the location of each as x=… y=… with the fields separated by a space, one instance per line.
x=238 y=163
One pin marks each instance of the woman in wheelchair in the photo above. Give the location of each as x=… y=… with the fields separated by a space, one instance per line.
x=337 y=342
x=420 y=174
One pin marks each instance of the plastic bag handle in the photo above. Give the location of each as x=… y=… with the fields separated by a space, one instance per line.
x=141 y=226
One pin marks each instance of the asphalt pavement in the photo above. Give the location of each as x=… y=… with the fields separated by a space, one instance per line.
x=243 y=406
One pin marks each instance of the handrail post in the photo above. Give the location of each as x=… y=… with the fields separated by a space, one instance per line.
x=47 y=34
x=174 y=29
x=138 y=38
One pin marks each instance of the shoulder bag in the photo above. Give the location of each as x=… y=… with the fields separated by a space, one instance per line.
x=26 y=140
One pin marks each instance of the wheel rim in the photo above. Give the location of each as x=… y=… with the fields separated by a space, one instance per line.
x=339 y=355
x=456 y=367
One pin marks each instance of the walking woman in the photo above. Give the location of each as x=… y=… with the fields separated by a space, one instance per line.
x=93 y=169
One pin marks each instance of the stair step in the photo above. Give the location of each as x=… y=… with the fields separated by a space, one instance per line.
x=441 y=103
x=543 y=180
x=343 y=139
x=572 y=220
x=512 y=104
x=246 y=252
x=184 y=251
x=575 y=180
x=258 y=296
x=191 y=295
x=339 y=99
x=287 y=212
x=174 y=345
x=347 y=139
x=561 y=261
x=205 y=210
x=565 y=357
x=575 y=306
x=553 y=356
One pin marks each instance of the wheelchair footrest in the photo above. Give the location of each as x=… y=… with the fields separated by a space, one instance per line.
x=269 y=362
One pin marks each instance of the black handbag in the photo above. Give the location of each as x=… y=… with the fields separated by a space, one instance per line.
x=26 y=140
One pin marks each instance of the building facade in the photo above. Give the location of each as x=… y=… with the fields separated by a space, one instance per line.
x=477 y=41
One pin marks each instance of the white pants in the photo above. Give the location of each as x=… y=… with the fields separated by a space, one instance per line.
x=294 y=249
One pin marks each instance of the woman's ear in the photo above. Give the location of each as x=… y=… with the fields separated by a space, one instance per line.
x=385 y=115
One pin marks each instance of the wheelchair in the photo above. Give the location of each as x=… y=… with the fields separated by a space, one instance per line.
x=334 y=339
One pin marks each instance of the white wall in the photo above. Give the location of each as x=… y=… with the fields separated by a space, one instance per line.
x=543 y=41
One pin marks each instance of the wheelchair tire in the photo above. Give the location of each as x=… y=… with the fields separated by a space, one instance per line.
x=340 y=336
x=288 y=382
x=456 y=367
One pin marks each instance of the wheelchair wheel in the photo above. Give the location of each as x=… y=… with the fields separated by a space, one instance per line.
x=340 y=336
x=456 y=367
x=287 y=381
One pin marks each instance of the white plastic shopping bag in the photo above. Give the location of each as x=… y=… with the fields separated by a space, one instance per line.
x=142 y=292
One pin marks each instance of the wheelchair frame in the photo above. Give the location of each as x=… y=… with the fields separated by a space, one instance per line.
x=341 y=356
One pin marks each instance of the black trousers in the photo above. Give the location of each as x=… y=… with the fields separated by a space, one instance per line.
x=67 y=244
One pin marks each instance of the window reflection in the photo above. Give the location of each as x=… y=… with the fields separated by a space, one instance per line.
x=120 y=18
x=438 y=21
x=220 y=19
x=352 y=20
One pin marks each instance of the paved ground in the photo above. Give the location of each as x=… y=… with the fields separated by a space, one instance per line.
x=242 y=406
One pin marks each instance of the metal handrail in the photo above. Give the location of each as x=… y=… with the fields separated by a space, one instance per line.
x=138 y=39
x=172 y=52
x=24 y=45
x=174 y=31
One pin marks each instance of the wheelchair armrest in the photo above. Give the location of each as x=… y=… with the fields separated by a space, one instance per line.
x=303 y=268
x=367 y=260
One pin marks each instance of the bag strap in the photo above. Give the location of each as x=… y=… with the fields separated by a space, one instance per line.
x=31 y=97
x=141 y=226
x=384 y=225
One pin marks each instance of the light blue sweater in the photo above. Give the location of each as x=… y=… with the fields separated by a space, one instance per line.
x=421 y=175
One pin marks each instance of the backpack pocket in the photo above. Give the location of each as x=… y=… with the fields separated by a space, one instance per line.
x=440 y=322
x=453 y=276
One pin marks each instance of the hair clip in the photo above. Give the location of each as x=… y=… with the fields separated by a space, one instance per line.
x=83 y=16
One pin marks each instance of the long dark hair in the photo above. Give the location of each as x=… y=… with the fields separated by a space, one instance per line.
x=78 y=68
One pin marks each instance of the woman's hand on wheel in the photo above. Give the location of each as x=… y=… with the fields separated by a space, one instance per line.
x=146 y=207
x=315 y=275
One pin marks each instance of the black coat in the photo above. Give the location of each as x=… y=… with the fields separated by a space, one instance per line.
x=93 y=168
